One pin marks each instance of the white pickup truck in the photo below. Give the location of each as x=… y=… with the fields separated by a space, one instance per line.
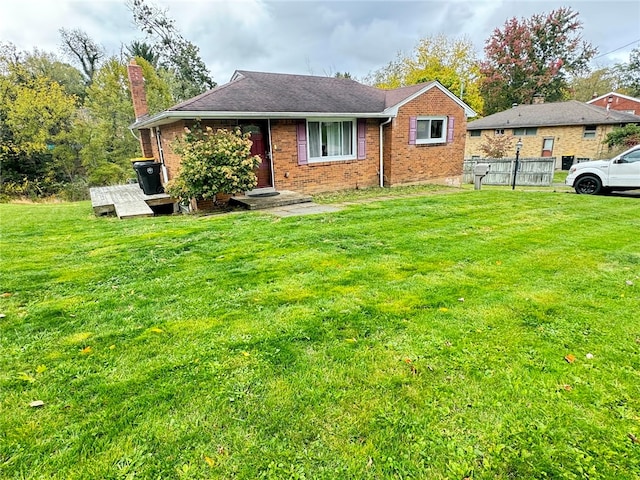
x=601 y=176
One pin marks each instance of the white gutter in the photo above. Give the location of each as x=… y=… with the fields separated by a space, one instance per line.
x=381 y=150
x=171 y=116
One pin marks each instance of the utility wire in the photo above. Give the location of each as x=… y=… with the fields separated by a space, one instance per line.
x=615 y=50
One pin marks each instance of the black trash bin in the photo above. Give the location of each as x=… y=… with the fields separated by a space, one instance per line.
x=148 y=174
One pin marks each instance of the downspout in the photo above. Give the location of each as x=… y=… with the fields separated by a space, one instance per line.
x=165 y=173
x=273 y=175
x=381 y=150
x=134 y=135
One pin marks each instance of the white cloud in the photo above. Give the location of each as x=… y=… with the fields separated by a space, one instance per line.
x=304 y=36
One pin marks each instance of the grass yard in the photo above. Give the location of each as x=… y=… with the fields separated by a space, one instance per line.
x=480 y=335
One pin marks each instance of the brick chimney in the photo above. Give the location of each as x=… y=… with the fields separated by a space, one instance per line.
x=538 y=98
x=138 y=95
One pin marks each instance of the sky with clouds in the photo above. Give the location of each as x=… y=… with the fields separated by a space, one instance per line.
x=311 y=37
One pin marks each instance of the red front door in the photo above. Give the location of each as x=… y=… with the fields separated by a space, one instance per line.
x=263 y=172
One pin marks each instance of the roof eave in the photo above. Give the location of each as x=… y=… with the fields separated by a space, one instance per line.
x=166 y=117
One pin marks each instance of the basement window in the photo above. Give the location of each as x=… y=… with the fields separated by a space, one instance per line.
x=475 y=133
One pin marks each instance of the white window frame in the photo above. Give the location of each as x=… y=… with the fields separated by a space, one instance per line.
x=441 y=139
x=333 y=158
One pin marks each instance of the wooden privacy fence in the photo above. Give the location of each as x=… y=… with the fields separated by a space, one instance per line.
x=537 y=171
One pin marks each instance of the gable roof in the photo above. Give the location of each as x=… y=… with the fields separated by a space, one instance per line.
x=276 y=95
x=614 y=94
x=553 y=114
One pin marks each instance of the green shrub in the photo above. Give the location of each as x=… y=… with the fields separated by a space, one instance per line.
x=212 y=163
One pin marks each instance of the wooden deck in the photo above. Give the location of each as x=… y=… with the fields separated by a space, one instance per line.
x=126 y=201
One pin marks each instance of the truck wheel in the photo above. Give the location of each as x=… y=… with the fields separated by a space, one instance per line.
x=588 y=185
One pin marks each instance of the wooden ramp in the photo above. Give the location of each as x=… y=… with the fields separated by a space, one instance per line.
x=126 y=201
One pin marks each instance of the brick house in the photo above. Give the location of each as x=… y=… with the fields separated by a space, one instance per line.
x=318 y=134
x=617 y=101
x=569 y=131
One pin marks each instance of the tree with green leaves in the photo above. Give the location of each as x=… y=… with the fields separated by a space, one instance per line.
x=584 y=87
x=103 y=126
x=627 y=136
x=532 y=57
x=175 y=53
x=452 y=62
x=629 y=73
x=37 y=150
x=143 y=50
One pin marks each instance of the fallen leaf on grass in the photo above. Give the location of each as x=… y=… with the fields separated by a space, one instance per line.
x=6 y=295
x=41 y=369
x=570 y=358
x=2 y=315
x=351 y=340
x=589 y=356
x=443 y=309
x=633 y=438
x=209 y=461
x=246 y=354
x=629 y=282
x=36 y=404
x=370 y=462
x=566 y=387
x=156 y=330
x=112 y=347
x=86 y=350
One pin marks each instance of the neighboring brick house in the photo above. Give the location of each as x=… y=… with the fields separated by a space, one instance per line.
x=318 y=134
x=569 y=131
x=617 y=101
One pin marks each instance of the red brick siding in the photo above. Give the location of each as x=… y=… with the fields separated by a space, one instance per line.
x=441 y=163
x=404 y=163
x=619 y=103
x=146 y=143
x=321 y=177
x=138 y=95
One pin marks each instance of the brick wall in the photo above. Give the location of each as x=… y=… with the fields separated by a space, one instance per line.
x=619 y=103
x=568 y=141
x=321 y=177
x=404 y=163
x=439 y=163
x=146 y=143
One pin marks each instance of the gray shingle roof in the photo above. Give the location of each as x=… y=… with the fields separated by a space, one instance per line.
x=274 y=92
x=552 y=114
x=277 y=95
x=277 y=92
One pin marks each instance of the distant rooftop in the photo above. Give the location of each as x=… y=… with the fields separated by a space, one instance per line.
x=572 y=112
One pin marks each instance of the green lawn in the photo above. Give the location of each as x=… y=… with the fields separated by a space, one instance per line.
x=491 y=334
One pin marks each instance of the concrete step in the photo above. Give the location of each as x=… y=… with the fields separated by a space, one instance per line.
x=259 y=202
